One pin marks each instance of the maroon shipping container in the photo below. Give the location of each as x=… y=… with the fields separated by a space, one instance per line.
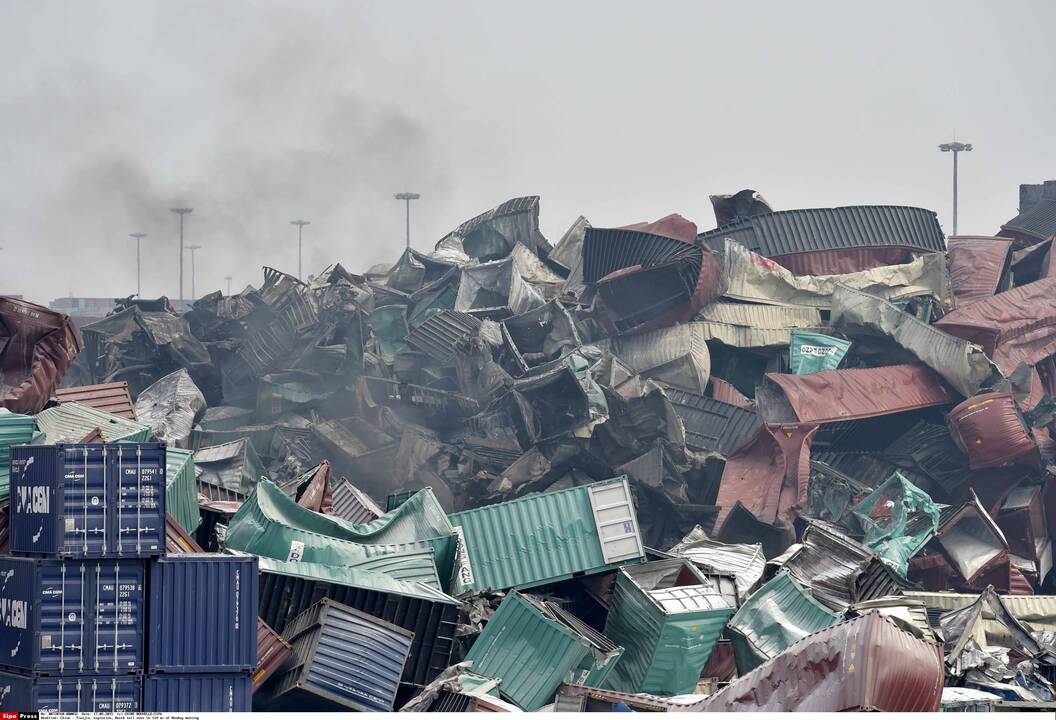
x=272 y=652
x=867 y=663
x=37 y=347
x=991 y=432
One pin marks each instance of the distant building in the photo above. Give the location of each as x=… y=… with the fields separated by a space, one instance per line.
x=1037 y=214
x=82 y=306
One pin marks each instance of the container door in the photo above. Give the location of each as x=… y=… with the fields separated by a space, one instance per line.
x=60 y=695
x=616 y=522
x=64 y=622
x=118 y=623
x=113 y=695
x=85 y=499
x=139 y=510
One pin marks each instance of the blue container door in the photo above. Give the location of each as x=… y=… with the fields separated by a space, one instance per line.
x=139 y=510
x=88 y=695
x=85 y=501
x=118 y=623
x=64 y=620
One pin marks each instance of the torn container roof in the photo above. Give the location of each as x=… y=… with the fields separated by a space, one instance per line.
x=829 y=241
x=979 y=267
x=494 y=234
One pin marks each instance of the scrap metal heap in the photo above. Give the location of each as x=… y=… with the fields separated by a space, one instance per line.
x=802 y=461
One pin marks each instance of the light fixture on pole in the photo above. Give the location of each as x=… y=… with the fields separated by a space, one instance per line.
x=139 y=287
x=192 y=248
x=181 y=211
x=300 y=230
x=407 y=197
x=955 y=148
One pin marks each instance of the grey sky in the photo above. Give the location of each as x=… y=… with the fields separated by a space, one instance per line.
x=258 y=112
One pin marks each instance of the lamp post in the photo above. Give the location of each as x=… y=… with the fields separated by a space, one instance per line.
x=407 y=197
x=181 y=211
x=192 y=248
x=139 y=287
x=228 y=278
x=955 y=148
x=300 y=237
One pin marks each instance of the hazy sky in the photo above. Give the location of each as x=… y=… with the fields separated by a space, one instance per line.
x=255 y=113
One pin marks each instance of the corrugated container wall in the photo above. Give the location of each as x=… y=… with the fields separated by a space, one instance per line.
x=203 y=614
x=15 y=429
x=181 y=488
x=272 y=653
x=197 y=693
x=344 y=658
x=71 y=617
x=88 y=501
x=111 y=695
x=548 y=537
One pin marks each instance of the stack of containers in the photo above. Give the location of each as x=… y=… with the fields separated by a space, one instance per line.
x=85 y=519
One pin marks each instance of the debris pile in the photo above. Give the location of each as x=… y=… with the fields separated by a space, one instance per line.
x=643 y=468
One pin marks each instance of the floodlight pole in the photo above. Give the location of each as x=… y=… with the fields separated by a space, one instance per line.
x=181 y=211
x=407 y=197
x=955 y=148
x=300 y=229
x=139 y=287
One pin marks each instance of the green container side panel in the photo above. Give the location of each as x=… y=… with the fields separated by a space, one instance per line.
x=15 y=429
x=813 y=352
x=535 y=540
x=72 y=421
x=530 y=653
x=181 y=488
x=776 y=616
x=637 y=624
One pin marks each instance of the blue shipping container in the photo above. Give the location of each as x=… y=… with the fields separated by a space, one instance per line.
x=343 y=658
x=88 y=501
x=72 y=617
x=25 y=693
x=203 y=614
x=197 y=693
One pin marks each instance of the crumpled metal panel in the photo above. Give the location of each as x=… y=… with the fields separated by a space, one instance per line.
x=809 y=230
x=108 y=397
x=568 y=252
x=753 y=278
x=746 y=562
x=978 y=267
x=730 y=208
x=779 y=614
x=711 y=424
x=181 y=488
x=963 y=365
x=991 y=431
x=853 y=394
x=438 y=336
x=495 y=290
x=971 y=540
x=272 y=653
x=37 y=347
x=1018 y=326
x=170 y=406
x=229 y=471
x=493 y=234
x=72 y=421
x=676 y=355
x=746 y=325
x=867 y=663
x=354 y=505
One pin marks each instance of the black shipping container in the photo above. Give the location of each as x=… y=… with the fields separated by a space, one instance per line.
x=283 y=597
x=72 y=617
x=88 y=501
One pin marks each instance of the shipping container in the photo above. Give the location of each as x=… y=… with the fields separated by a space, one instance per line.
x=102 y=694
x=548 y=537
x=203 y=614
x=532 y=646
x=91 y=501
x=344 y=658
x=272 y=652
x=198 y=693
x=72 y=421
x=668 y=616
x=287 y=589
x=72 y=617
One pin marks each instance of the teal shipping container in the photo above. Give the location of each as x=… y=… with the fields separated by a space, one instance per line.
x=547 y=537
x=532 y=646
x=813 y=352
x=668 y=616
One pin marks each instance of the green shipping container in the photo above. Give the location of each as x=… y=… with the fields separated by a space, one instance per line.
x=15 y=429
x=71 y=422
x=813 y=352
x=668 y=616
x=775 y=617
x=547 y=537
x=181 y=489
x=532 y=646
x=272 y=525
